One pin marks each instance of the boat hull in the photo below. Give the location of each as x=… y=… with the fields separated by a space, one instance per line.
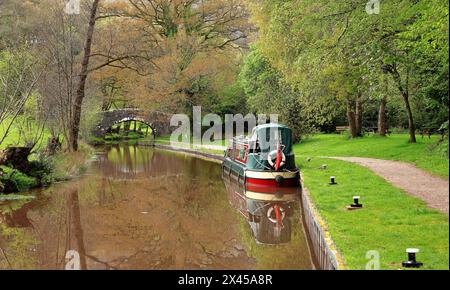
x=261 y=181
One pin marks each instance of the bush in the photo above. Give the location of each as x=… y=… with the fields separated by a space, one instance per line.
x=442 y=145
x=113 y=137
x=95 y=141
x=13 y=180
x=398 y=130
x=42 y=169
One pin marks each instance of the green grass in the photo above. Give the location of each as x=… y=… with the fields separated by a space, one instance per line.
x=69 y=165
x=13 y=137
x=394 y=147
x=15 y=197
x=390 y=221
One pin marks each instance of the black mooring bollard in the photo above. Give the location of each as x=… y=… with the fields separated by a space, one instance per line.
x=355 y=204
x=332 y=180
x=412 y=263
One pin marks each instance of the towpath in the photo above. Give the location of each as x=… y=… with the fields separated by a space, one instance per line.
x=431 y=189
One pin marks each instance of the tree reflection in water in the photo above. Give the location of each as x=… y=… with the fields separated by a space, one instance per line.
x=137 y=208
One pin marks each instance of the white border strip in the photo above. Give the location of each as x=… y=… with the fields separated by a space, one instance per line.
x=270 y=196
x=269 y=174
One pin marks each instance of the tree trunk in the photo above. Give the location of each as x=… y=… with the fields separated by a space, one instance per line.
x=358 y=116
x=392 y=69
x=75 y=128
x=351 y=120
x=412 y=128
x=382 y=117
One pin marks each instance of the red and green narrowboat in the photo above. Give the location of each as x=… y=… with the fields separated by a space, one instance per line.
x=263 y=161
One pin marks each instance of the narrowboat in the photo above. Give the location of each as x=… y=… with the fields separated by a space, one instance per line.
x=262 y=162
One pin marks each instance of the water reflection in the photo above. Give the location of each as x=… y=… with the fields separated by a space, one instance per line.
x=139 y=208
x=270 y=221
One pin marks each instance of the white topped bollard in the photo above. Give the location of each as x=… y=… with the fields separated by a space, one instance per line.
x=355 y=204
x=412 y=262
x=332 y=180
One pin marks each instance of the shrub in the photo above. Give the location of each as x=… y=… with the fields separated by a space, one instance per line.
x=398 y=130
x=42 y=169
x=95 y=141
x=13 y=180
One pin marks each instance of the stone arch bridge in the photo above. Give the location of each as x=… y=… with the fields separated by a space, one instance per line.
x=160 y=122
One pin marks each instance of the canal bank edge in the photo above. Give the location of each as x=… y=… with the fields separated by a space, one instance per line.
x=324 y=249
x=203 y=155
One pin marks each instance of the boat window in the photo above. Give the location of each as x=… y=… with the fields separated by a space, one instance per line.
x=268 y=139
x=241 y=154
x=268 y=134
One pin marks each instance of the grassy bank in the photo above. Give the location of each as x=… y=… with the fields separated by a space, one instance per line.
x=394 y=147
x=117 y=138
x=12 y=180
x=390 y=221
x=44 y=171
x=70 y=165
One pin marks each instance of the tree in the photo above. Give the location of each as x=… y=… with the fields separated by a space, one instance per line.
x=426 y=41
x=15 y=27
x=306 y=41
x=303 y=37
x=267 y=93
x=382 y=128
x=19 y=74
x=59 y=47
x=80 y=94
x=175 y=49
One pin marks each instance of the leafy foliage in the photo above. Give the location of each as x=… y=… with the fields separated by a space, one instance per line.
x=14 y=180
x=268 y=94
x=332 y=50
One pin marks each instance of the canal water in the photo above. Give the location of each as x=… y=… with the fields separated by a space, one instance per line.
x=141 y=208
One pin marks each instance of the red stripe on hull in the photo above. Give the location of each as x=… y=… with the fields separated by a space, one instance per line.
x=288 y=182
x=273 y=189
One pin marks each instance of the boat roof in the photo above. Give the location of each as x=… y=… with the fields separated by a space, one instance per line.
x=271 y=125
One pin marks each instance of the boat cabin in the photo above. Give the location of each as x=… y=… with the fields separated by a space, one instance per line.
x=264 y=141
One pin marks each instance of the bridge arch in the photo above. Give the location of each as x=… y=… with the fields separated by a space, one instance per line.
x=159 y=122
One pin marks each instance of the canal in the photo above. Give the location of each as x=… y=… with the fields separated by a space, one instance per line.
x=141 y=208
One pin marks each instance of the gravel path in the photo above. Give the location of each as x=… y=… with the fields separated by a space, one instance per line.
x=431 y=189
